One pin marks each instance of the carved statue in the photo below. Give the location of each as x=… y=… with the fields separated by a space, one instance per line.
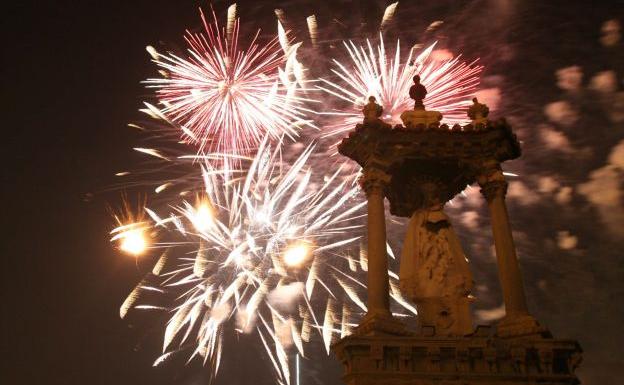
x=372 y=111
x=418 y=93
x=434 y=272
x=478 y=112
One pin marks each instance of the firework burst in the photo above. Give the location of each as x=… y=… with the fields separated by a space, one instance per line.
x=269 y=258
x=225 y=99
x=374 y=72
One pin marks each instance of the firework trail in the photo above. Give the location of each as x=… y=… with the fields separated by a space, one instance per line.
x=388 y=14
x=313 y=30
x=374 y=72
x=225 y=99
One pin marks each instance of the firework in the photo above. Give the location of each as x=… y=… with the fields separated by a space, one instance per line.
x=226 y=99
x=267 y=244
x=269 y=255
x=373 y=72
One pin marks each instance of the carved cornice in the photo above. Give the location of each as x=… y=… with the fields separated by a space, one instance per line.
x=394 y=146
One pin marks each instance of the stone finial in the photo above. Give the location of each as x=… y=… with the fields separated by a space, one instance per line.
x=372 y=111
x=418 y=93
x=478 y=112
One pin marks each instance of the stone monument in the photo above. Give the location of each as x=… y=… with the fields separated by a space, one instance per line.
x=418 y=171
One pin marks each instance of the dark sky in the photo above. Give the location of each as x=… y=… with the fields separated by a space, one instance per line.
x=71 y=83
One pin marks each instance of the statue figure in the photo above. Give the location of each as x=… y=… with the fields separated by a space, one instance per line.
x=434 y=272
x=478 y=112
x=418 y=93
x=372 y=111
x=419 y=118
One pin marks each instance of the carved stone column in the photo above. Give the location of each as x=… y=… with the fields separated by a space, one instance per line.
x=373 y=182
x=378 y=318
x=517 y=320
x=494 y=189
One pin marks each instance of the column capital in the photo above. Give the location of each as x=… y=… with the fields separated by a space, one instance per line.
x=492 y=180
x=373 y=178
x=494 y=188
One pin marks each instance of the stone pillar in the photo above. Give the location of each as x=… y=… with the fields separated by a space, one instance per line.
x=494 y=188
x=373 y=182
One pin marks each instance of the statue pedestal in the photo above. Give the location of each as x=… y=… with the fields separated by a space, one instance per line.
x=411 y=119
x=481 y=358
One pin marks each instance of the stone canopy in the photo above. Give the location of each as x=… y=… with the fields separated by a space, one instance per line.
x=424 y=164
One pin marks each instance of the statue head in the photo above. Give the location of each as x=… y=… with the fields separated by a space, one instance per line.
x=475 y=100
x=372 y=99
x=416 y=79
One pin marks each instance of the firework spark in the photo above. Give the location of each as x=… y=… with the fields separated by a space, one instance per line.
x=373 y=72
x=225 y=99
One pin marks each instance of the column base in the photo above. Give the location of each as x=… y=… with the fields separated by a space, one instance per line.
x=379 y=324
x=521 y=326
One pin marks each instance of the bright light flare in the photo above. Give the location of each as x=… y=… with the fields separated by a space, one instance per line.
x=133 y=242
x=202 y=215
x=295 y=255
x=132 y=238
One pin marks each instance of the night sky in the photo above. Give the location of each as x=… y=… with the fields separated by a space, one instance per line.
x=71 y=80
